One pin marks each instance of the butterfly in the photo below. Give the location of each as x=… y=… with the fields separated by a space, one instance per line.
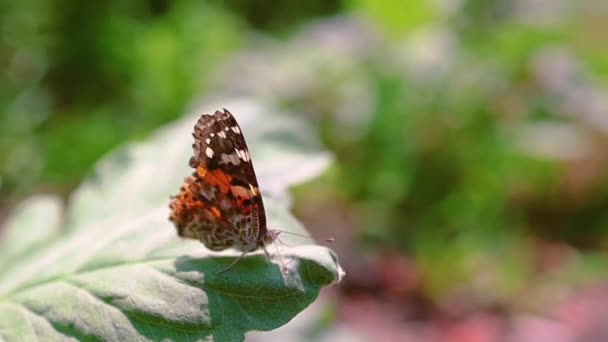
x=220 y=203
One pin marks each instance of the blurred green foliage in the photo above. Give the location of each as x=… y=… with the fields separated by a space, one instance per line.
x=465 y=131
x=80 y=79
x=453 y=165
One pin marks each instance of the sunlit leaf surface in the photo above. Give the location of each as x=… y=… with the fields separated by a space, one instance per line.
x=113 y=268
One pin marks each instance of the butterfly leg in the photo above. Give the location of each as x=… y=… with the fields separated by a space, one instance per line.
x=232 y=264
x=283 y=266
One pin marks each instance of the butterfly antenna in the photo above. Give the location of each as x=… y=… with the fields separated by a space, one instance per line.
x=330 y=239
x=283 y=242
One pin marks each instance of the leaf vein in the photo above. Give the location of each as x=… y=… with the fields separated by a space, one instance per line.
x=225 y=293
x=58 y=328
x=133 y=315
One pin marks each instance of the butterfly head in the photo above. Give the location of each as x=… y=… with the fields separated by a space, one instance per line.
x=271 y=236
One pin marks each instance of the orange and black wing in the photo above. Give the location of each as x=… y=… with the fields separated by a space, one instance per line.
x=223 y=190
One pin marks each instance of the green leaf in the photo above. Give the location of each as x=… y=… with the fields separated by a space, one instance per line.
x=41 y=215
x=119 y=272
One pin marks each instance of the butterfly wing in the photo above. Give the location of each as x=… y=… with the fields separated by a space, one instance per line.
x=220 y=204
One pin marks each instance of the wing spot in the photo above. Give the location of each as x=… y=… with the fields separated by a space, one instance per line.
x=230 y=158
x=226 y=129
x=236 y=130
x=209 y=152
x=222 y=135
x=212 y=135
x=208 y=141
